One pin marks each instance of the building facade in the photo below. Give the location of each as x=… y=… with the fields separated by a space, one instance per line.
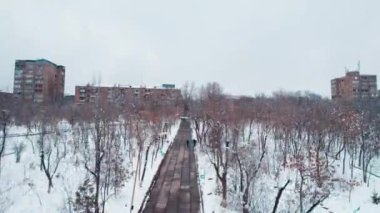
x=127 y=95
x=353 y=86
x=39 y=81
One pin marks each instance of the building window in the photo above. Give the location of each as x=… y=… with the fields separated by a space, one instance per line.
x=29 y=81
x=18 y=72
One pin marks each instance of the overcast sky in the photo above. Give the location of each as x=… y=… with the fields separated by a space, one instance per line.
x=248 y=46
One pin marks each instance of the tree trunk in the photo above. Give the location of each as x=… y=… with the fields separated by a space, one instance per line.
x=97 y=168
x=241 y=174
x=145 y=163
x=48 y=175
x=279 y=193
x=360 y=155
x=352 y=167
x=250 y=130
x=318 y=164
x=3 y=141
x=344 y=161
x=301 y=192
x=224 y=189
x=245 y=198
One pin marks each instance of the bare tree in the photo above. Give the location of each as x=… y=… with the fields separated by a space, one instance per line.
x=50 y=153
x=4 y=121
x=188 y=92
x=18 y=149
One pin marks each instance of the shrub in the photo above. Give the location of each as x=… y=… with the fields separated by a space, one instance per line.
x=375 y=198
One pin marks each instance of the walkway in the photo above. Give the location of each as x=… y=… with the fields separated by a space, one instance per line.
x=175 y=187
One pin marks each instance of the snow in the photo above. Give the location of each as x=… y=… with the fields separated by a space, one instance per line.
x=208 y=183
x=266 y=187
x=360 y=196
x=28 y=185
x=23 y=187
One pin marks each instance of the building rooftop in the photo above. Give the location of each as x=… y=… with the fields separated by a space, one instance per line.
x=353 y=73
x=131 y=87
x=41 y=60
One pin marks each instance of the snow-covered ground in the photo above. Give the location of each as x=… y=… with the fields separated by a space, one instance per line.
x=208 y=183
x=23 y=186
x=340 y=200
x=360 y=200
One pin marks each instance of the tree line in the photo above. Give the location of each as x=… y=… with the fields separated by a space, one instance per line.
x=302 y=132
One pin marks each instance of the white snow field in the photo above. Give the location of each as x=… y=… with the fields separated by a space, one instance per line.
x=24 y=187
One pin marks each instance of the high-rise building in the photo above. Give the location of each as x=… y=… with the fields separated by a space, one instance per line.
x=354 y=86
x=40 y=81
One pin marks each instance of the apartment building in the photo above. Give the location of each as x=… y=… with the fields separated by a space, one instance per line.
x=127 y=95
x=39 y=81
x=354 y=86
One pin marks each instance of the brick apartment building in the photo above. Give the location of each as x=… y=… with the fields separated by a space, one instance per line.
x=167 y=94
x=354 y=86
x=40 y=81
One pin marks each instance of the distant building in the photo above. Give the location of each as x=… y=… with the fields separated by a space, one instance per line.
x=126 y=95
x=168 y=86
x=354 y=86
x=7 y=100
x=68 y=99
x=40 y=81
